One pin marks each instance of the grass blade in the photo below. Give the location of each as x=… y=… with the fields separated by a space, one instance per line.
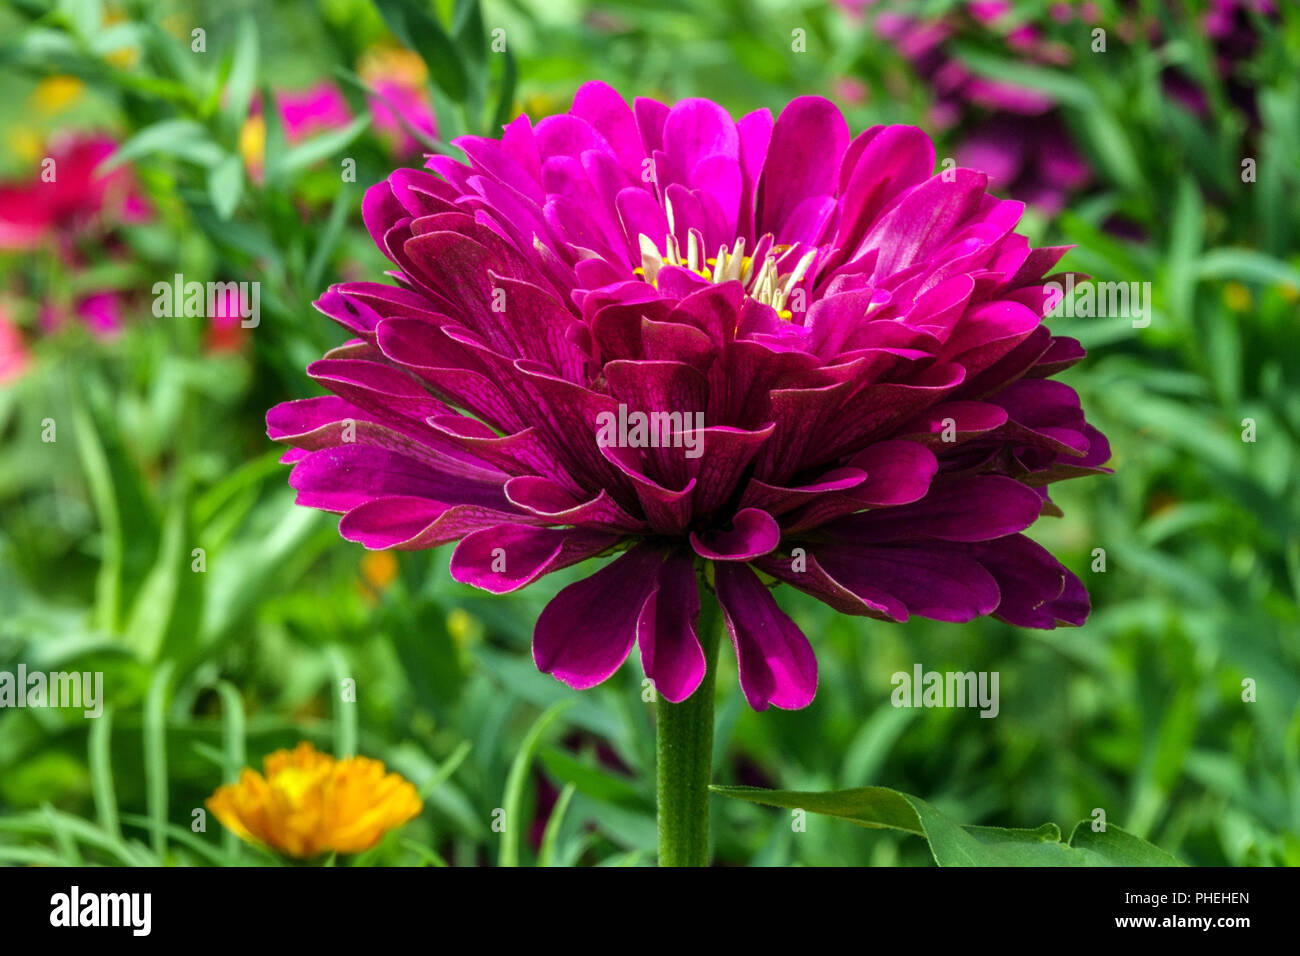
x=518 y=780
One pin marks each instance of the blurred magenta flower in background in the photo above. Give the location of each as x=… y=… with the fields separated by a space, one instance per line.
x=14 y=354
x=399 y=108
x=69 y=208
x=1014 y=133
x=60 y=206
x=851 y=346
x=303 y=114
x=399 y=77
x=1230 y=26
x=100 y=312
x=314 y=110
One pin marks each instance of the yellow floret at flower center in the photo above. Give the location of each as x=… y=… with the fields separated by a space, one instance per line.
x=764 y=284
x=294 y=784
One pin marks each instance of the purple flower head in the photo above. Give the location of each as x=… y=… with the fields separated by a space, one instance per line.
x=762 y=348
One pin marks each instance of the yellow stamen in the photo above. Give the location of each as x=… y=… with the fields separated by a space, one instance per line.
x=767 y=285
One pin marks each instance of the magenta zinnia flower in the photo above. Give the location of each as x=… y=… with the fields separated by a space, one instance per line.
x=843 y=352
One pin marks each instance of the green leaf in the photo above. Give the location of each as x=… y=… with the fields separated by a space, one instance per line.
x=243 y=71
x=506 y=95
x=1061 y=87
x=155 y=756
x=1247 y=265
x=234 y=737
x=182 y=138
x=323 y=146
x=1184 y=246
x=101 y=772
x=420 y=30
x=185 y=837
x=329 y=237
x=1120 y=847
x=151 y=613
x=449 y=767
x=345 y=711
x=83 y=831
x=518 y=778
x=551 y=835
x=1113 y=147
x=467 y=28
x=276 y=144
x=103 y=493
x=226 y=185
x=951 y=843
x=594 y=781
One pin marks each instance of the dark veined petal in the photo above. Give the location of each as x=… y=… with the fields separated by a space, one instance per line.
x=777 y=665
x=666 y=630
x=587 y=630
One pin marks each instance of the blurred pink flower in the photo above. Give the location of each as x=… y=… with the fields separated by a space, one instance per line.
x=400 y=79
x=14 y=357
x=1014 y=133
x=850 y=90
x=412 y=105
x=99 y=312
x=1231 y=28
x=302 y=114
x=314 y=110
x=67 y=196
x=70 y=208
x=226 y=332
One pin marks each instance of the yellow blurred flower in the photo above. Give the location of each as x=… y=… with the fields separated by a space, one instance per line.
x=56 y=93
x=125 y=56
x=379 y=568
x=1236 y=297
x=25 y=143
x=252 y=143
x=396 y=64
x=308 y=803
x=539 y=104
x=178 y=25
x=462 y=626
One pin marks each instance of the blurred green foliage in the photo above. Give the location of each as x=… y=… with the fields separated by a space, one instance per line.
x=161 y=450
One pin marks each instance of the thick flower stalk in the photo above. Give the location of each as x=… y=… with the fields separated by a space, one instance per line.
x=764 y=349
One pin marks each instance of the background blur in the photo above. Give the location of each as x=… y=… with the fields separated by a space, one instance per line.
x=232 y=165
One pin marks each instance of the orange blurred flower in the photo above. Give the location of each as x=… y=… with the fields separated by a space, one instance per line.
x=379 y=568
x=309 y=803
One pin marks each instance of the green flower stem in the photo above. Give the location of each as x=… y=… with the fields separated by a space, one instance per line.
x=685 y=756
